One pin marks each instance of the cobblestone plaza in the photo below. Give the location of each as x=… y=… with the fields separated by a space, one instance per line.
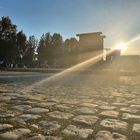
x=92 y=106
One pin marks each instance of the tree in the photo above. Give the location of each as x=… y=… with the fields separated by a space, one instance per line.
x=71 y=51
x=57 y=50
x=21 y=42
x=57 y=40
x=8 y=47
x=29 y=55
x=41 y=50
x=67 y=43
x=71 y=45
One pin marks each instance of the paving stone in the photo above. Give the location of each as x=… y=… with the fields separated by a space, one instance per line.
x=117 y=136
x=135 y=101
x=5 y=126
x=85 y=110
x=106 y=107
x=64 y=107
x=106 y=135
x=101 y=103
x=20 y=97
x=29 y=102
x=127 y=116
x=35 y=126
x=114 y=124
x=50 y=126
x=131 y=96
x=26 y=117
x=110 y=113
x=15 y=134
x=7 y=115
x=19 y=121
x=5 y=99
x=78 y=132
x=136 y=128
x=105 y=96
x=120 y=104
x=121 y=100
x=53 y=99
x=130 y=110
x=60 y=115
x=89 y=105
x=135 y=106
x=86 y=119
x=70 y=101
x=117 y=94
x=46 y=104
x=52 y=138
x=39 y=137
x=37 y=110
x=22 y=107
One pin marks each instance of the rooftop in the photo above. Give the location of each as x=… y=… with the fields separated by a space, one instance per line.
x=94 y=33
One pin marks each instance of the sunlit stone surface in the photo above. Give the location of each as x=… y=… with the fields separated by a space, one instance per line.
x=135 y=106
x=76 y=106
x=22 y=107
x=114 y=124
x=38 y=137
x=136 y=128
x=64 y=107
x=26 y=117
x=130 y=110
x=53 y=138
x=49 y=126
x=46 y=104
x=60 y=115
x=106 y=135
x=88 y=105
x=75 y=131
x=127 y=116
x=15 y=134
x=7 y=115
x=110 y=113
x=85 y=110
x=106 y=107
x=37 y=110
x=5 y=126
x=86 y=119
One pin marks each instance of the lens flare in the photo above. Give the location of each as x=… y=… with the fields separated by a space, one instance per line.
x=133 y=40
x=121 y=46
x=81 y=66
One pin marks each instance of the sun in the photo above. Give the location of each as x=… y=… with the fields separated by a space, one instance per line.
x=121 y=46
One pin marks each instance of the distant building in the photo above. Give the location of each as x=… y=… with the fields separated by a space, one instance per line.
x=91 y=41
x=90 y=45
x=112 y=54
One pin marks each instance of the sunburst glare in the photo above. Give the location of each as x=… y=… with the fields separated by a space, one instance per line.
x=121 y=46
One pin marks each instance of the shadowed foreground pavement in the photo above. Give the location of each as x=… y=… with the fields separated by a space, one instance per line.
x=92 y=106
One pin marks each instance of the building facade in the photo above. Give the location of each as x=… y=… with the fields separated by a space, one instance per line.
x=91 y=41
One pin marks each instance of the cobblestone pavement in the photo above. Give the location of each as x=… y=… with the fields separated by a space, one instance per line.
x=75 y=106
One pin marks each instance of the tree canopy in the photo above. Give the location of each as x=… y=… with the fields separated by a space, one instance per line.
x=49 y=51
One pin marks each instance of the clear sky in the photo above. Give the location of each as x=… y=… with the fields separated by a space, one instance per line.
x=119 y=20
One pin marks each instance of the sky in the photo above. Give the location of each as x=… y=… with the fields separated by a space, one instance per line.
x=118 y=20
